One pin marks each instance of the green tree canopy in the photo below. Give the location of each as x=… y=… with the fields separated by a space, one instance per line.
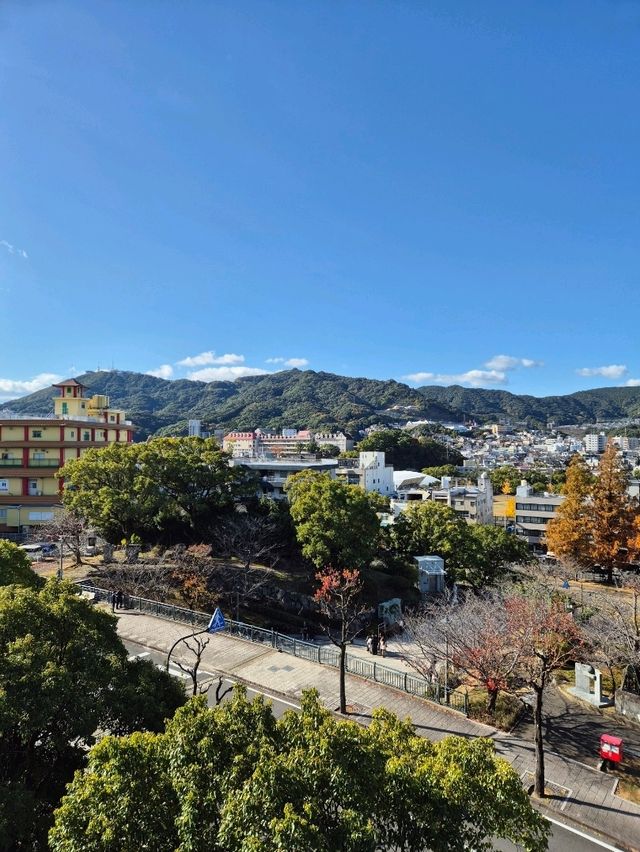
x=165 y=489
x=336 y=524
x=15 y=567
x=64 y=673
x=232 y=779
x=505 y=479
x=476 y=553
x=403 y=451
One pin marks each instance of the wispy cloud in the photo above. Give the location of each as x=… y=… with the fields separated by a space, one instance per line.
x=289 y=362
x=509 y=362
x=13 y=250
x=632 y=383
x=225 y=374
x=210 y=357
x=475 y=378
x=164 y=371
x=21 y=387
x=612 y=371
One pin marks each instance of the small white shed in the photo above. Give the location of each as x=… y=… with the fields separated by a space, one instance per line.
x=431 y=574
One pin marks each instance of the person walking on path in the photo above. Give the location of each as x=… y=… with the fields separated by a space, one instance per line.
x=114 y=601
x=374 y=645
x=120 y=599
x=370 y=644
x=383 y=644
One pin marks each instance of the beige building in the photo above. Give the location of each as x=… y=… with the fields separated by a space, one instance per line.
x=33 y=449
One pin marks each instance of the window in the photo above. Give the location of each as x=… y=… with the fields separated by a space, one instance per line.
x=4 y=484
x=3 y=514
x=36 y=433
x=86 y=436
x=65 y=408
x=40 y=516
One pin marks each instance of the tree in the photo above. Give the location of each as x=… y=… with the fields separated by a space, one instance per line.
x=492 y=550
x=505 y=479
x=339 y=596
x=567 y=535
x=336 y=524
x=429 y=528
x=611 y=513
x=168 y=489
x=305 y=783
x=250 y=539
x=15 y=567
x=470 y=635
x=64 y=673
x=403 y=451
x=69 y=530
x=546 y=639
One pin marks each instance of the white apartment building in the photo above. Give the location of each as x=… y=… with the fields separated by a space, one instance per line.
x=594 y=444
x=533 y=512
x=375 y=475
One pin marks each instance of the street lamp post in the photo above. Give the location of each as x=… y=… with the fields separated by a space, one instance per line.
x=61 y=545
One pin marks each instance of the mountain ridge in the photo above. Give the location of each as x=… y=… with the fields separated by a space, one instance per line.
x=320 y=400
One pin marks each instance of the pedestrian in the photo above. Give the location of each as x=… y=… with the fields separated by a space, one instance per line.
x=374 y=645
x=383 y=644
x=370 y=644
x=120 y=599
x=114 y=600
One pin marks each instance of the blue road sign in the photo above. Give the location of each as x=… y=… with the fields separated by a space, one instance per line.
x=217 y=622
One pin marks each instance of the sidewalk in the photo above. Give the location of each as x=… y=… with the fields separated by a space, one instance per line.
x=583 y=795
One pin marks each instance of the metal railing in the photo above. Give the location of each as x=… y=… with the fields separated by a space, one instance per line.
x=327 y=655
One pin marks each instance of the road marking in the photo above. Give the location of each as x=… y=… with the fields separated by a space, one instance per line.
x=139 y=656
x=585 y=836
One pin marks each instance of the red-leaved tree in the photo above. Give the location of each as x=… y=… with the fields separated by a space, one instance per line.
x=339 y=596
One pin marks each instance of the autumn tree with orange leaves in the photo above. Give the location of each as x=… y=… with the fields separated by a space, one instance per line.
x=612 y=513
x=339 y=596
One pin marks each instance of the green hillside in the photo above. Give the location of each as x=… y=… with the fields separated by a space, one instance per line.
x=319 y=400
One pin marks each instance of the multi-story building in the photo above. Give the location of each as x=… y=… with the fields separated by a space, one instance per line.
x=369 y=471
x=594 y=444
x=334 y=439
x=273 y=473
x=533 y=512
x=474 y=503
x=240 y=444
x=33 y=449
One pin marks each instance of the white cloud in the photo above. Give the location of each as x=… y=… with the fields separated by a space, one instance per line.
x=164 y=371
x=225 y=374
x=210 y=357
x=632 y=383
x=17 y=387
x=13 y=250
x=289 y=362
x=475 y=378
x=508 y=362
x=612 y=371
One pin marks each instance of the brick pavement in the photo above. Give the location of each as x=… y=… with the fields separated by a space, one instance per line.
x=582 y=794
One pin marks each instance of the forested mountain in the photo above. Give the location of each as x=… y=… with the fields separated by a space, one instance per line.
x=323 y=400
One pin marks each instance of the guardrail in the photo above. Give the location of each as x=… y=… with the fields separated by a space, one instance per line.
x=324 y=654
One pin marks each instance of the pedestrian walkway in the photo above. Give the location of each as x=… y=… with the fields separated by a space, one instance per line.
x=581 y=795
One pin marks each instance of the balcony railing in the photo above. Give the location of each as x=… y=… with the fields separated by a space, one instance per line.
x=18 y=462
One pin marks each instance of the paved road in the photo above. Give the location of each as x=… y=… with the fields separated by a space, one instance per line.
x=561 y=840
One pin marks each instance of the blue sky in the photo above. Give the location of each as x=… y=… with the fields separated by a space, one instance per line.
x=446 y=191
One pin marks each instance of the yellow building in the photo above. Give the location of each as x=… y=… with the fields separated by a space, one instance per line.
x=33 y=449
